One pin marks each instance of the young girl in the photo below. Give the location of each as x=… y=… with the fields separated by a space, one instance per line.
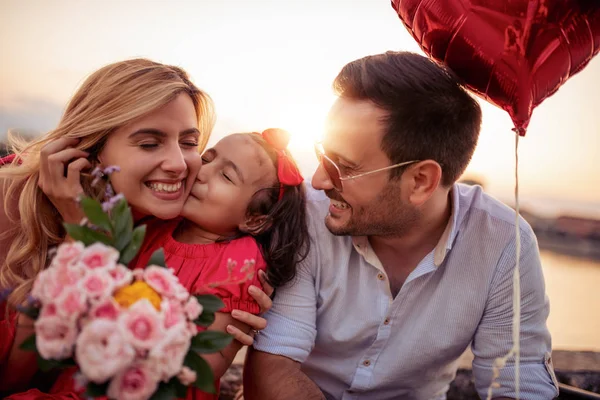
x=247 y=205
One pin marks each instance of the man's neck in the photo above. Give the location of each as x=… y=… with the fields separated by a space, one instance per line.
x=400 y=254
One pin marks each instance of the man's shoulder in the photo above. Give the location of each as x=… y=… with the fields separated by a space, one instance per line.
x=477 y=207
x=324 y=244
x=317 y=206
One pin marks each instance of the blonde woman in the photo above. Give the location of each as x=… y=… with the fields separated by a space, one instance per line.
x=150 y=120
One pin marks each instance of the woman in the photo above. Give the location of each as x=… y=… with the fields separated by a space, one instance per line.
x=144 y=116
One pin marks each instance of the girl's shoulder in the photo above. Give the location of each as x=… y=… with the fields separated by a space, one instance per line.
x=245 y=245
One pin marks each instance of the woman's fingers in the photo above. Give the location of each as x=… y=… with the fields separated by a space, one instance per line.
x=240 y=336
x=48 y=150
x=74 y=174
x=54 y=180
x=263 y=300
x=53 y=174
x=254 y=321
x=267 y=288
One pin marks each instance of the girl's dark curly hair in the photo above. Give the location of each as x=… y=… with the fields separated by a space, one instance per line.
x=283 y=236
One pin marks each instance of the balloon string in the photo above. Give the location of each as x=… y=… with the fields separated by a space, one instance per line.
x=515 y=350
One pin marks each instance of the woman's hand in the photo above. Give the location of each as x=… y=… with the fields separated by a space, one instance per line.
x=60 y=176
x=257 y=323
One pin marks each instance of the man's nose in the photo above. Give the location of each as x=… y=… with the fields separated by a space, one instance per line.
x=321 y=180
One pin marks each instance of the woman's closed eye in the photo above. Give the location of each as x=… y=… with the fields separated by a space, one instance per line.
x=190 y=143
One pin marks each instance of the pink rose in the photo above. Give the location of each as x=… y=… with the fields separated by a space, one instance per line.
x=99 y=255
x=71 y=303
x=186 y=376
x=172 y=312
x=142 y=325
x=55 y=337
x=193 y=308
x=102 y=351
x=122 y=276
x=169 y=353
x=192 y=328
x=165 y=282
x=107 y=309
x=138 y=274
x=98 y=284
x=46 y=287
x=48 y=310
x=137 y=382
x=68 y=253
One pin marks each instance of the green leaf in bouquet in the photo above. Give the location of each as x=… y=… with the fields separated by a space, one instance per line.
x=210 y=341
x=29 y=344
x=205 y=380
x=87 y=235
x=48 y=365
x=31 y=311
x=158 y=258
x=205 y=319
x=134 y=245
x=180 y=388
x=122 y=221
x=210 y=303
x=94 y=213
x=165 y=391
x=94 y=390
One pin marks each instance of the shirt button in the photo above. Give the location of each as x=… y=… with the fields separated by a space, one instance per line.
x=386 y=321
x=380 y=276
x=366 y=363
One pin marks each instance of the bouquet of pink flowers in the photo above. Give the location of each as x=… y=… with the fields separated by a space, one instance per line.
x=132 y=333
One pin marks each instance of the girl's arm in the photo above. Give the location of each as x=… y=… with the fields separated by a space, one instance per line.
x=219 y=362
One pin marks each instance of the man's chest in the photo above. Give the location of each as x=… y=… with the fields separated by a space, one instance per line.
x=429 y=322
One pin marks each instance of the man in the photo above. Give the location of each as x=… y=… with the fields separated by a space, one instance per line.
x=409 y=268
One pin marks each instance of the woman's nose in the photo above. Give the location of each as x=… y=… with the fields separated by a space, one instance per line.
x=174 y=161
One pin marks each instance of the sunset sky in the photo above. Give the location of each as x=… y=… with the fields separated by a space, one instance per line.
x=271 y=63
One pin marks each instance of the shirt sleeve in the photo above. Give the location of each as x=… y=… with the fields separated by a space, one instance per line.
x=291 y=323
x=232 y=284
x=493 y=338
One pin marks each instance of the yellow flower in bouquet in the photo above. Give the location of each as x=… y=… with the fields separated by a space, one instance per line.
x=128 y=295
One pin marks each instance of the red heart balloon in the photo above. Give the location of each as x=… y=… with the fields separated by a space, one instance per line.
x=513 y=53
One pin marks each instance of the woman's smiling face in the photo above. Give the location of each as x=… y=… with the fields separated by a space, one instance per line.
x=158 y=158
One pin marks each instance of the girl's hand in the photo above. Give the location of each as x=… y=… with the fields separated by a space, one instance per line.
x=60 y=176
x=257 y=323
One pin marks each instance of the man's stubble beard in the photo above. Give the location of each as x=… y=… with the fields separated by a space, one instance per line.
x=387 y=215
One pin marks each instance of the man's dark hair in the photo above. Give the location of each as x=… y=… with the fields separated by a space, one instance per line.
x=430 y=116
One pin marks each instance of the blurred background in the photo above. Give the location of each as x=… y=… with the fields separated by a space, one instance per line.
x=270 y=63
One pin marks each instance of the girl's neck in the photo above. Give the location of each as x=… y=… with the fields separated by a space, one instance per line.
x=190 y=233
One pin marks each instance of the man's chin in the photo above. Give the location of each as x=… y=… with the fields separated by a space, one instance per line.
x=336 y=226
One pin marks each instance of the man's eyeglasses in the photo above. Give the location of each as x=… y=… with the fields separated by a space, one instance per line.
x=333 y=171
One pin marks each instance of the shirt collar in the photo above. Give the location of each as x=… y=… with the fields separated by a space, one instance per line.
x=361 y=243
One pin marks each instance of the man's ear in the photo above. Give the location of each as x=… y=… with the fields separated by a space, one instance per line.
x=424 y=179
x=255 y=224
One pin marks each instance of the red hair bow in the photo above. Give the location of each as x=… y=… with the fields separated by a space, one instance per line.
x=287 y=172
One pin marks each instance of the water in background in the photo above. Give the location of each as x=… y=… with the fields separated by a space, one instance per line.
x=573 y=286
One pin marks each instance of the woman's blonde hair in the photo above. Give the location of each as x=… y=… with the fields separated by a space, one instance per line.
x=108 y=99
